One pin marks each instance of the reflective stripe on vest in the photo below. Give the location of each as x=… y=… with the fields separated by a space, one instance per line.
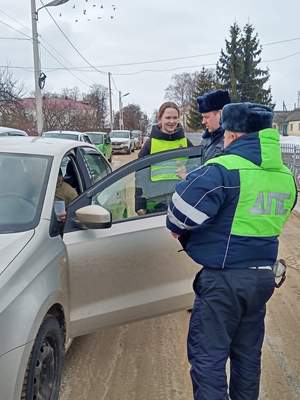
x=166 y=170
x=265 y=200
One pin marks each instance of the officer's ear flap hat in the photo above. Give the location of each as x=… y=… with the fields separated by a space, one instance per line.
x=213 y=101
x=246 y=117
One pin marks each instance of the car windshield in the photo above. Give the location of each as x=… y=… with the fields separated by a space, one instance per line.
x=23 y=182
x=96 y=138
x=12 y=133
x=119 y=134
x=61 y=135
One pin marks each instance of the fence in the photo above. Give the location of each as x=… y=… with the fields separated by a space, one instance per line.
x=291 y=158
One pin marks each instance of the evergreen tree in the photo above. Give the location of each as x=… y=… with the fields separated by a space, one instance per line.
x=204 y=82
x=253 y=78
x=238 y=67
x=229 y=67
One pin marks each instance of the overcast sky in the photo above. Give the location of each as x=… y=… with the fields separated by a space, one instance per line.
x=135 y=31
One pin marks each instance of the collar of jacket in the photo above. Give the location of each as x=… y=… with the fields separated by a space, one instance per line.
x=262 y=148
x=156 y=133
x=213 y=135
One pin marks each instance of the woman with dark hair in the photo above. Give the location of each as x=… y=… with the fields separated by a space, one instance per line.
x=168 y=134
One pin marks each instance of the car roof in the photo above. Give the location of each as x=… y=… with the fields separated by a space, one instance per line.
x=98 y=132
x=65 y=132
x=7 y=129
x=39 y=145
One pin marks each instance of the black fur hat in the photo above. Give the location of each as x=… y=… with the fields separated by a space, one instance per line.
x=246 y=117
x=213 y=101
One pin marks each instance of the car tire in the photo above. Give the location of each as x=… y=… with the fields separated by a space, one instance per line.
x=128 y=151
x=44 y=369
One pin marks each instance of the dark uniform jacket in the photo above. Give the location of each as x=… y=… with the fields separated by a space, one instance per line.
x=212 y=143
x=203 y=208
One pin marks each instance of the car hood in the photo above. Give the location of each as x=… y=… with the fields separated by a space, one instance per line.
x=11 y=244
x=119 y=140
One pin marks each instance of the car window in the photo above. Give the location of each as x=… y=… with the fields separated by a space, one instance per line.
x=96 y=138
x=70 y=173
x=95 y=164
x=23 y=182
x=144 y=192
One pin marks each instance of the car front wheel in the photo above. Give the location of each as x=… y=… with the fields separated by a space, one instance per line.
x=44 y=369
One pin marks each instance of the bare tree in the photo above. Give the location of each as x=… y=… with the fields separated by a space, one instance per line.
x=133 y=117
x=181 y=90
x=11 y=111
x=71 y=93
x=97 y=98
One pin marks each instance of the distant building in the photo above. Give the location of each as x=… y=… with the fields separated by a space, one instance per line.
x=287 y=122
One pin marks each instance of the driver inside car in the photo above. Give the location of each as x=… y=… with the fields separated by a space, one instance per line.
x=64 y=192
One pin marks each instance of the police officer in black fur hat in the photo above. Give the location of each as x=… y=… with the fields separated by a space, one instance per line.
x=210 y=105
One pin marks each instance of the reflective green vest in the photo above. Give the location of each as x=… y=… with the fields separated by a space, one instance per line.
x=266 y=197
x=166 y=170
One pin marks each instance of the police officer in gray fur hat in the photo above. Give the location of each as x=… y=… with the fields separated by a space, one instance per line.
x=228 y=216
x=210 y=105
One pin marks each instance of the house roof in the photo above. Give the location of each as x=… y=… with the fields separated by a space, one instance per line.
x=280 y=117
x=57 y=102
x=294 y=115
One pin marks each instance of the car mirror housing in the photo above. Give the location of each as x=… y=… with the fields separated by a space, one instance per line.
x=94 y=217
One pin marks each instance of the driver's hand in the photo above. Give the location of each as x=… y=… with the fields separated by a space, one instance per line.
x=141 y=212
x=62 y=217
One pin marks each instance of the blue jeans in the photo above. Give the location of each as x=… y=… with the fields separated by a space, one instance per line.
x=228 y=322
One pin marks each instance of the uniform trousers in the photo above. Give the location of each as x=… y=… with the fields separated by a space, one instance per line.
x=227 y=322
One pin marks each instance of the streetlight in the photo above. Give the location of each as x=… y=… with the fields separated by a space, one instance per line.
x=39 y=78
x=121 y=119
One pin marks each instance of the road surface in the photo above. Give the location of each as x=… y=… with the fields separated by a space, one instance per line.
x=147 y=360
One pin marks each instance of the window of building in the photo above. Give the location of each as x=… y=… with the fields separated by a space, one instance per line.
x=291 y=127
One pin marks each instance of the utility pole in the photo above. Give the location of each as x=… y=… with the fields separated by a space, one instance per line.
x=37 y=69
x=121 y=115
x=39 y=79
x=110 y=102
x=120 y=111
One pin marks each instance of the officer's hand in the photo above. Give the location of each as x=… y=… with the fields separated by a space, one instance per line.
x=175 y=236
x=181 y=172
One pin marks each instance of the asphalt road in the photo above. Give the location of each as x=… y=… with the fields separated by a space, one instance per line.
x=147 y=360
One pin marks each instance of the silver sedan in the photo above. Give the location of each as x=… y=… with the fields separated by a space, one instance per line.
x=105 y=264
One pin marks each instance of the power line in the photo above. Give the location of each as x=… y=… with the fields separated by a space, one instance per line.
x=65 y=68
x=13 y=38
x=186 y=57
x=71 y=43
x=45 y=48
x=15 y=20
x=14 y=29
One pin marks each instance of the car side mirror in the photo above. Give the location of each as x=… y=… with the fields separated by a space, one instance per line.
x=94 y=217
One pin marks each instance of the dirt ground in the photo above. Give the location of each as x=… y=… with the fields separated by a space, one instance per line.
x=147 y=360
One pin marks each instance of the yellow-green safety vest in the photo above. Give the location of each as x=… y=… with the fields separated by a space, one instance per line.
x=166 y=170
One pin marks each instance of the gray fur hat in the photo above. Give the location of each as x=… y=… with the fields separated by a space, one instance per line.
x=246 y=117
x=213 y=101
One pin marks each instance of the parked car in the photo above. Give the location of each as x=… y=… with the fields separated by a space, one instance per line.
x=70 y=135
x=103 y=143
x=4 y=131
x=122 y=141
x=137 y=139
x=105 y=266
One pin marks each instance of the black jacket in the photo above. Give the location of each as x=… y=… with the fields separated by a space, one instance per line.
x=212 y=143
x=156 y=133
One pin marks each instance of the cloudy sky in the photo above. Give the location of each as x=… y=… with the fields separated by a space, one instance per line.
x=133 y=32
